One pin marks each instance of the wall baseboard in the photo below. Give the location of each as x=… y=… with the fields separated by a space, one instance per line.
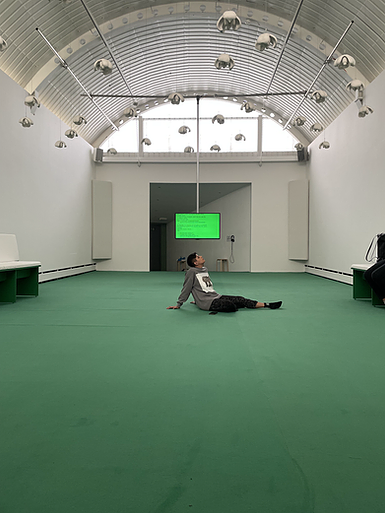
x=57 y=274
x=330 y=273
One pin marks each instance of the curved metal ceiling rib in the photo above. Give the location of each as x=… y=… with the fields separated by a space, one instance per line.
x=163 y=48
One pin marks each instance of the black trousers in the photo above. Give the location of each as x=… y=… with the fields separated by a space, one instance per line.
x=375 y=276
x=231 y=303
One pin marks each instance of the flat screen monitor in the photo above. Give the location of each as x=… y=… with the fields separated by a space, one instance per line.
x=198 y=226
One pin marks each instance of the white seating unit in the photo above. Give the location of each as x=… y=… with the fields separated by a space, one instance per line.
x=17 y=278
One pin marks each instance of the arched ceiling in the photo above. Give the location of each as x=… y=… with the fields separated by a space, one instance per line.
x=171 y=47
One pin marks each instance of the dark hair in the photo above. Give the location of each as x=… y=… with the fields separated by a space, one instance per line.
x=190 y=259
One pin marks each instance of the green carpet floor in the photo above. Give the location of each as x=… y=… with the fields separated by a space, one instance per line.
x=109 y=403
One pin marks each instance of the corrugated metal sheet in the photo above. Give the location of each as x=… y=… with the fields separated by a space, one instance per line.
x=163 y=48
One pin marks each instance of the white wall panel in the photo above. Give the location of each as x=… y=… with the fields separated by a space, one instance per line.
x=101 y=220
x=45 y=193
x=298 y=220
x=235 y=220
x=269 y=208
x=347 y=184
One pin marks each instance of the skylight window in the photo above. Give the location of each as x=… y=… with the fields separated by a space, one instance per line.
x=239 y=132
x=126 y=139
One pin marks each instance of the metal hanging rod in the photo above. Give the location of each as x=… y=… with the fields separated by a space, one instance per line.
x=284 y=45
x=326 y=62
x=198 y=154
x=106 y=45
x=160 y=97
x=65 y=66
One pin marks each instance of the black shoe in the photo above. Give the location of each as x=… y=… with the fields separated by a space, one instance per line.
x=273 y=306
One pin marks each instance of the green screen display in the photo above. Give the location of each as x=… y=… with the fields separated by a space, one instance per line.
x=198 y=226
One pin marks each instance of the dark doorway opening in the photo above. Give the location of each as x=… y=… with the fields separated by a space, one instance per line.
x=158 y=247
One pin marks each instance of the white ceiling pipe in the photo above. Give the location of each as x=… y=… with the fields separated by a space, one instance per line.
x=319 y=73
x=106 y=45
x=284 y=45
x=65 y=66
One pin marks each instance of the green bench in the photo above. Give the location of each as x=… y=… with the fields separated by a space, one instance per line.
x=361 y=288
x=17 y=278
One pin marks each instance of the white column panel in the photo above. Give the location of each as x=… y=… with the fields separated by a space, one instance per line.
x=298 y=220
x=101 y=219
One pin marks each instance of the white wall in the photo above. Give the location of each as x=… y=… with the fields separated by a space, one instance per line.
x=269 y=208
x=235 y=220
x=347 y=184
x=45 y=193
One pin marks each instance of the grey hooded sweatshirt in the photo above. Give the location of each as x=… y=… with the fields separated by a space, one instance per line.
x=198 y=283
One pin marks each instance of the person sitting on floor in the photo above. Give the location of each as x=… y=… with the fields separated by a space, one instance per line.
x=198 y=283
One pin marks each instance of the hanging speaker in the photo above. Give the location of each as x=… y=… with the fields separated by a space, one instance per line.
x=301 y=155
x=98 y=155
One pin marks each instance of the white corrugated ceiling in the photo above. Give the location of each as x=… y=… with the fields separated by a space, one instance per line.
x=168 y=47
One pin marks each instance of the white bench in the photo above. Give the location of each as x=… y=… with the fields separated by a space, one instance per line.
x=17 y=278
x=361 y=288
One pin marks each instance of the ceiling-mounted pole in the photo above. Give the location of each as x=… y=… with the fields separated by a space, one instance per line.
x=188 y=96
x=284 y=45
x=319 y=73
x=65 y=66
x=198 y=154
x=106 y=44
